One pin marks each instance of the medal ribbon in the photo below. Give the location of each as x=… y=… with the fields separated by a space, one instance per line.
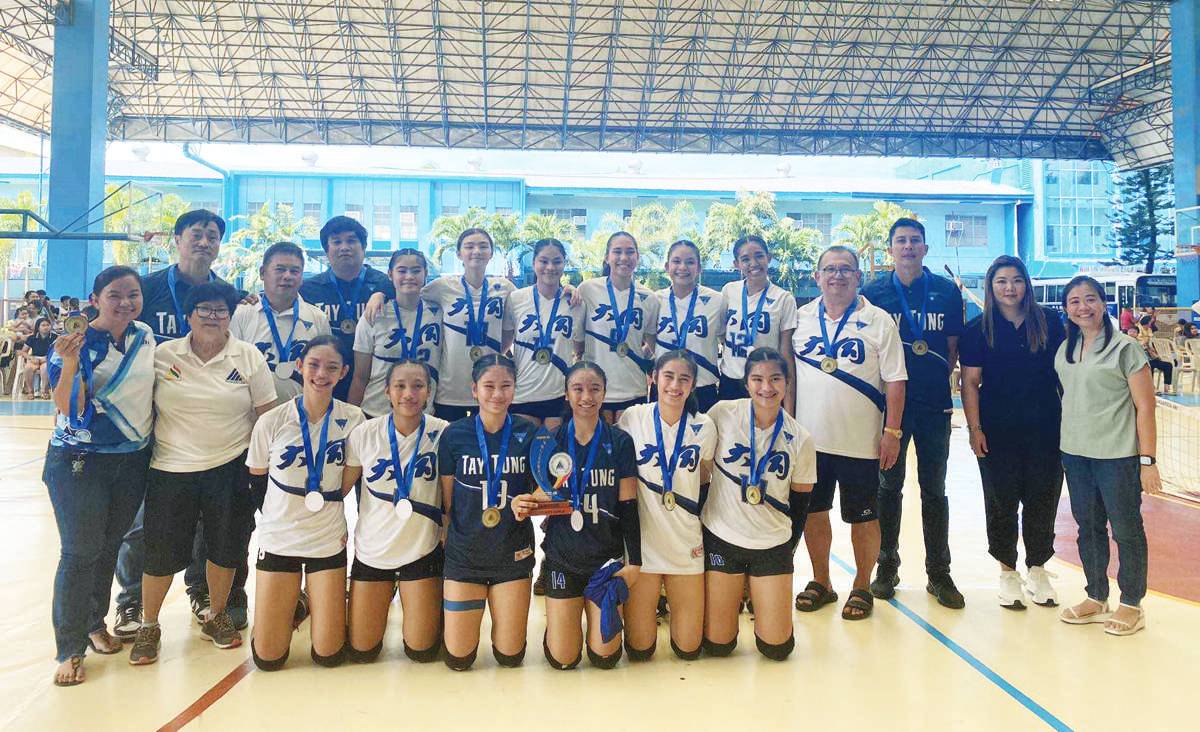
x=476 y=325
x=577 y=480
x=283 y=349
x=757 y=465
x=408 y=348
x=312 y=482
x=492 y=478
x=181 y=323
x=831 y=347
x=668 y=467
x=749 y=322
x=350 y=306
x=918 y=330
x=86 y=381
x=404 y=476
x=546 y=333
x=621 y=321
x=681 y=333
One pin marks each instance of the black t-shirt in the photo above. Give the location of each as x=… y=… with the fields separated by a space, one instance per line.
x=583 y=552
x=158 y=307
x=323 y=290
x=471 y=547
x=40 y=345
x=1019 y=395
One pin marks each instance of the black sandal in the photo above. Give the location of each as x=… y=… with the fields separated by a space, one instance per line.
x=858 y=600
x=814 y=597
x=112 y=639
x=76 y=662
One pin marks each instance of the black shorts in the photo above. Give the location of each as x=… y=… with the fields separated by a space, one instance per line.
x=721 y=556
x=217 y=498
x=731 y=389
x=451 y=413
x=545 y=409
x=268 y=562
x=622 y=406
x=430 y=565
x=857 y=479
x=517 y=571
x=563 y=583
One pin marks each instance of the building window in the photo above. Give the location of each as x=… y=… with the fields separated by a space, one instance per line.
x=449 y=210
x=214 y=206
x=381 y=223
x=313 y=211
x=253 y=207
x=966 y=231
x=408 y=223
x=626 y=213
x=503 y=210
x=577 y=216
x=822 y=222
x=355 y=212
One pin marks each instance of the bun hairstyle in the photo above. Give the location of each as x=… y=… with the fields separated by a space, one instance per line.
x=1073 y=332
x=606 y=270
x=764 y=354
x=490 y=360
x=325 y=340
x=468 y=232
x=692 y=405
x=112 y=274
x=748 y=239
x=429 y=377
x=541 y=244
x=408 y=252
x=574 y=369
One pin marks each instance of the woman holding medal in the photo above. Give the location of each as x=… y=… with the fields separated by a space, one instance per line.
x=760 y=313
x=396 y=540
x=483 y=464
x=765 y=469
x=674 y=447
x=300 y=446
x=409 y=328
x=603 y=526
x=617 y=326
x=95 y=470
x=692 y=318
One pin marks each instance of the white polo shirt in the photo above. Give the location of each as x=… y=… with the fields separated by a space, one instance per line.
x=843 y=411
x=778 y=314
x=381 y=340
x=205 y=410
x=704 y=331
x=626 y=379
x=454 y=378
x=538 y=382
x=249 y=323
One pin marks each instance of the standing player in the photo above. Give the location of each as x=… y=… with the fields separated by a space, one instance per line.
x=281 y=324
x=674 y=447
x=759 y=313
x=483 y=465
x=399 y=519
x=765 y=468
x=616 y=327
x=849 y=373
x=472 y=322
x=691 y=318
x=409 y=328
x=300 y=446
x=929 y=311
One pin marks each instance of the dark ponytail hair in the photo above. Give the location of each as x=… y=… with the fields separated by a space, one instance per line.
x=541 y=244
x=764 y=354
x=408 y=252
x=325 y=340
x=574 y=369
x=749 y=239
x=111 y=275
x=469 y=232
x=606 y=270
x=429 y=378
x=1073 y=332
x=488 y=361
x=692 y=405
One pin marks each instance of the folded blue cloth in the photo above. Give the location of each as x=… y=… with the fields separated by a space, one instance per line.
x=608 y=591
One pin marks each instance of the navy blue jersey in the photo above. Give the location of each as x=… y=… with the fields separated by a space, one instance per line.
x=484 y=552
x=158 y=307
x=928 y=375
x=322 y=290
x=583 y=552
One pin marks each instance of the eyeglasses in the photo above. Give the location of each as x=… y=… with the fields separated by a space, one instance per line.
x=205 y=311
x=838 y=271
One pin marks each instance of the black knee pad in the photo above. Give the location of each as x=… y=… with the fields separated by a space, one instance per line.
x=776 y=651
x=605 y=662
x=264 y=665
x=334 y=659
x=426 y=655
x=719 y=650
x=459 y=663
x=686 y=655
x=640 y=655
x=353 y=655
x=508 y=661
x=554 y=662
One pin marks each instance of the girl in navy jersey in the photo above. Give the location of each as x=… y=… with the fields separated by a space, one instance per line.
x=674 y=447
x=482 y=465
x=299 y=448
x=602 y=528
x=765 y=466
x=691 y=317
x=396 y=540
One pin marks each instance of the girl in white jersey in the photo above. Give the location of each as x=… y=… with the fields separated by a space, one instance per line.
x=299 y=447
x=760 y=313
x=691 y=317
x=539 y=326
x=617 y=324
x=396 y=540
x=409 y=327
x=674 y=446
x=765 y=466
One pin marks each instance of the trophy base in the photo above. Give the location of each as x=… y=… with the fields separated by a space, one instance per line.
x=551 y=508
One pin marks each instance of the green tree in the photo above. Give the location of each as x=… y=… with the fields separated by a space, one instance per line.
x=867 y=233
x=12 y=222
x=536 y=227
x=794 y=249
x=147 y=216
x=503 y=228
x=655 y=227
x=1142 y=212
x=241 y=257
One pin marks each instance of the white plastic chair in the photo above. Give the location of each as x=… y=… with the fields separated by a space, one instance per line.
x=19 y=379
x=6 y=350
x=1169 y=352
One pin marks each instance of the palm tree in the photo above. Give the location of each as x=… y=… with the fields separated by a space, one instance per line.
x=867 y=233
x=241 y=258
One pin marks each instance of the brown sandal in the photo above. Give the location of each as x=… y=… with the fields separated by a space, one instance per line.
x=814 y=597
x=860 y=600
x=76 y=664
x=111 y=642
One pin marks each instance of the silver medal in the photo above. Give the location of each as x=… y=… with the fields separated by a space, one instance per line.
x=314 y=501
x=285 y=370
x=403 y=509
x=577 y=520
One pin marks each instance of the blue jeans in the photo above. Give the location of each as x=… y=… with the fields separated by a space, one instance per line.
x=931 y=432
x=1104 y=492
x=95 y=497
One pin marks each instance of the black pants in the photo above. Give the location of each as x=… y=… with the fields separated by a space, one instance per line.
x=1026 y=475
x=1167 y=369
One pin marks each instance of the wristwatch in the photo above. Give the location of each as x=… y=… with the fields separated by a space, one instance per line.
x=895 y=432
x=1146 y=459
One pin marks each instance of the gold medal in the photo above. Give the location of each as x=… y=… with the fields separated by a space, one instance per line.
x=829 y=364
x=75 y=324
x=542 y=356
x=622 y=349
x=920 y=347
x=476 y=353
x=669 y=500
x=347 y=326
x=753 y=495
x=491 y=517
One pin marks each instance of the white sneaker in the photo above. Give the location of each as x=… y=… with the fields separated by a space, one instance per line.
x=1038 y=584
x=1012 y=593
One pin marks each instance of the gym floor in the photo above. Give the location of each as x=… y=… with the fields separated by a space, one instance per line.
x=914 y=665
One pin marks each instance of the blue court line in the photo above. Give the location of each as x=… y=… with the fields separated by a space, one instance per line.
x=1042 y=713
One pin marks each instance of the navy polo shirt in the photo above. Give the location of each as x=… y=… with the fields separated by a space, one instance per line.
x=322 y=290
x=158 y=307
x=929 y=375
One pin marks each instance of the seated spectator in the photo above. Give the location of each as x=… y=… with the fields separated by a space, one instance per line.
x=1157 y=363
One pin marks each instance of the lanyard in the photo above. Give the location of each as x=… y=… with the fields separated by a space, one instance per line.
x=493 y=477
x=681 y=333
x=831 y=347
x=408 y=348
x=312 y=483
x=918 y=330
x=85 y=380
x=350 y=307
x=578 y=481
x=283 y=349
x=404 y=477
x=476 y=325
x=750 y=322
x=668 y=467
x=545 y=333
x=621 y=321
x=181 y=324
x=757 y=465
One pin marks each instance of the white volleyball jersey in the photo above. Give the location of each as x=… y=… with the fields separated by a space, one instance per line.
x=792 y=459
x=744 y=333
x=454 y=376
x=387 y=343
x=703 y=332
x=381 y=539
x=844 y=410
x=249 y=324
x=287 y=527
x=537 y=382
x=596 y=329
x=672 y=542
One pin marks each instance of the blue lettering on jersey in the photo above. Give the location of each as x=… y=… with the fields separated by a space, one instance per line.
x=778 y=464
x=430 y=334
x=268 y=352
x=382 y=470
x=562 y=324
x=689 y=457
x=850 y=348
x=335 y=454
x=697 y=326
x=604 y=312
x=494 y=306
